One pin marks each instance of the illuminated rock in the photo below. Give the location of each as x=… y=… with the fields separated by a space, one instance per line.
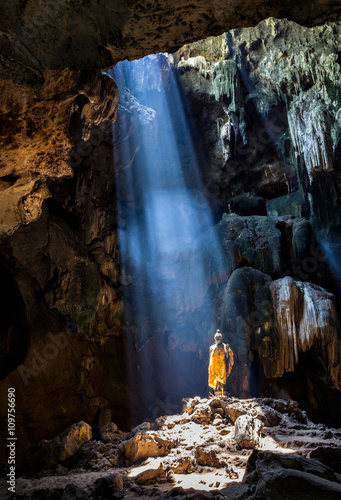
x=151 y=475
x=62 y=447
x=248 y=431
x=145 y=444
x=209 y=457
x=205 y=456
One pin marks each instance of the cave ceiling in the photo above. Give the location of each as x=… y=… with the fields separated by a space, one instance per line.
x=37 y=35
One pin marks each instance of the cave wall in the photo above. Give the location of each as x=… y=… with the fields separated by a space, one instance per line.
x=267 y=107
x=59 y=248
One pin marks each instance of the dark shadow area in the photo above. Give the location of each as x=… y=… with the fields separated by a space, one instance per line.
x=307 y=385
x=13 y=330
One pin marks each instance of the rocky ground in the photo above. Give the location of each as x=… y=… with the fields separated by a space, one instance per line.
x=221 y=447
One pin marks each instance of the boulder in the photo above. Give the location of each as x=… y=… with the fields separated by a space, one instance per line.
x=151 y=476
x=62 y=447
x=266 y=413
x=202 y=414
x=329 y=456
x=145 y=444
x=179 y=464
x=111 y=486
x=107 y=432
x=291 y=476
x=209 y=456
x=248 y=431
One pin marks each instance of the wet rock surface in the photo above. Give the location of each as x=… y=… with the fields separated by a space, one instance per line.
x=201 y=459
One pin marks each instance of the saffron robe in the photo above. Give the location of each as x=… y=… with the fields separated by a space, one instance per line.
x=220 y=364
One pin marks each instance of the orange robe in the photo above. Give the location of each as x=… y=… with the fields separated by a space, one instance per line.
x=220 y=365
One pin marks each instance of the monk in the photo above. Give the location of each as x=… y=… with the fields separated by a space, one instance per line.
x=220 y=365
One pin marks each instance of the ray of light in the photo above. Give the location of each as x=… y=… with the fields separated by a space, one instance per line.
x=162 y=211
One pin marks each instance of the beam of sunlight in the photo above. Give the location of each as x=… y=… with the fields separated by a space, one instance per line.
x=161 y=212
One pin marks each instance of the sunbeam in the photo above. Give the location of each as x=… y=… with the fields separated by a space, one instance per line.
x=162 y=211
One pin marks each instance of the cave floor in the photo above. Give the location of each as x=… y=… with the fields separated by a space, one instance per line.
x=194 y=452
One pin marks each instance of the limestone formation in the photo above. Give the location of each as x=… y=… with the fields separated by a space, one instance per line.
x=305 y=316
x=37 y=140
x=91 y=35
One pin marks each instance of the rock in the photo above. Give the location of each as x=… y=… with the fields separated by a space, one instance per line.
x=179 y=464
x=248 y=431
x=111 y=486
x=254 y=240
x=329 y=456
x=289 y=204
x=151 y=476
x=266 y=413
x=305 y=315
x=45 y=144
x=107 y=432
x=201 y=414
x=209 y=456
x=190 y=404
x=145 y=444
x=202 y=454
x=246 y=314
x=95 y=45
x=62 y=447
x=73 y=491
x=290 y=476
x=249 y=204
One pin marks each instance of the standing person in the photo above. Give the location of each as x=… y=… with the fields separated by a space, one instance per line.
x=220 y=364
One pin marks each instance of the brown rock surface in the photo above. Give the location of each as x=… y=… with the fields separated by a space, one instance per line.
x=64 y=264
x=35 y=136
x=88 y=34
x=62 y=447
x=146 y=444
x=305 y=315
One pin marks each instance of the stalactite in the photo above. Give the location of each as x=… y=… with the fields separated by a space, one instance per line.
x=310 y=126
x=226 y=84
x=198 y=63
x=305 y=317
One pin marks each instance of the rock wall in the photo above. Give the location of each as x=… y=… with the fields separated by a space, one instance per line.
x=273 y=126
